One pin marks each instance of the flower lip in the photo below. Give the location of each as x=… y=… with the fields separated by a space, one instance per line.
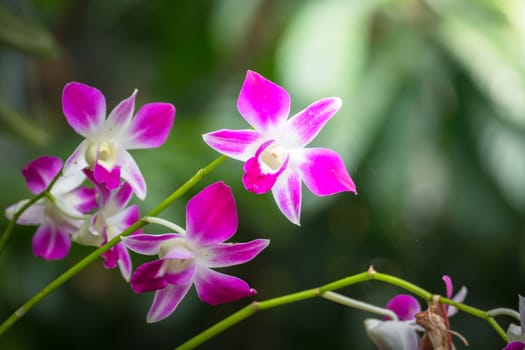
x=261 y=171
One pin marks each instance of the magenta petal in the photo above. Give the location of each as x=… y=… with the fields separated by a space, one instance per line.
x=449 y=287
x=208 y=223
x=236 y=144
x=324 y=172
x=287 y=195
x=147 y=244
x=254 y=180
x=121 y=197
x=262 y=103
x=183 y=276
x=305 y=125
x=515 y=345
x=151 y=126
x=51 y=242
x=124 y=262
x=111 y=257
x=118 y=255
x=130 y=172
x=110 y=178
x=405 y=307
x=149 y=276
x=86 y=199
x=40 y=172
x=166 y=301
x=84 y=107
x=216 y=288
x=229 y=254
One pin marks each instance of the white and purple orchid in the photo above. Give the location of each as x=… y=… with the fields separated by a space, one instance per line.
x=189 y=257
x=402 y=334
x=110 y=220
x=274 y=150
x=60 y=213
x=515 y=333
x=104 y=149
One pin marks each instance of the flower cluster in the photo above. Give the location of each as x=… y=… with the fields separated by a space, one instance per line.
x=96 y=215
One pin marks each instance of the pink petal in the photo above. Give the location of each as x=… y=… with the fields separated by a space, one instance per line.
x=257 y=180
x=118 y=256
x=262 y=103
x=77 y=160
x=110 y=178
x=236 y=144
x=121 y=197
x=216 y=288
x=229 y=254
x=124 y=262
x=449 y=288
x=324 y=172
x=147 y=244
x=51 y=241
x=405 y=306
x=85 y=199
x=515 y=345
x=153 y=275
x=166 y=301
x=211 y=215
x=127 y=217
x=287 y=195
x=120 y=116
x=305 y=125
x=130 y=172
x=151 y=126
x=40 y=172
x=149 y=277
x=84 y=108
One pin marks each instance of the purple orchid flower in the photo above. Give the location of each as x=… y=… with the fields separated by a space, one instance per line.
x=189 y=257
x=58 y=215
x=274 y=152
x=402 y=334
x=104 y=149
x=110 y=220
x=515 y=333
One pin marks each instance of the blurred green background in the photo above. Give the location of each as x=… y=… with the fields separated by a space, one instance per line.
x=432 y=130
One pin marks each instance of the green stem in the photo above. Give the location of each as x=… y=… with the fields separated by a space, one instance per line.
x=371 y=274
x=18 y=314
x=11 y=225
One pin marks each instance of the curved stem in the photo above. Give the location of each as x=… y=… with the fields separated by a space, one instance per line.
x=371 y=274
x=18 y=314
x=11 y=225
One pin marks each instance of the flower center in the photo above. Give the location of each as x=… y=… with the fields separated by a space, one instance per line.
x=272 y=158
x=103 y=153
x=178 y=245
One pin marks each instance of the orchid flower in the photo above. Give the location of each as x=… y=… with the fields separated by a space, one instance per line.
x=274 y=150
x=516 y=334
x=402 y=334
x=188 y=257
x=109 y=221
x=104 y=149
x=60 y=213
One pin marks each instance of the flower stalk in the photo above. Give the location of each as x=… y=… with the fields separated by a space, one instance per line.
x=371 y=274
